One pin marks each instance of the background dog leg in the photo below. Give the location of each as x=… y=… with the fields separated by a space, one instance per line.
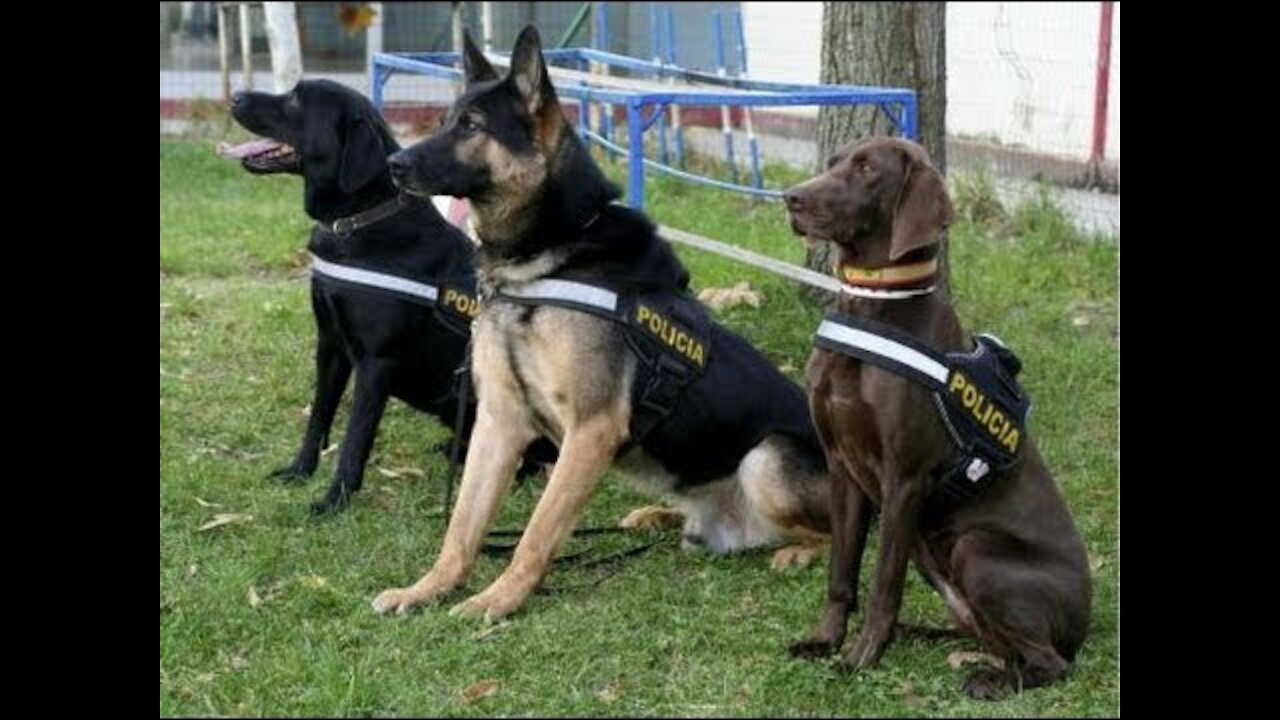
x=333 y=370
x=372 y=391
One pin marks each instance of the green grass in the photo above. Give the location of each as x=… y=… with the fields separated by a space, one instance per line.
x=670 y=633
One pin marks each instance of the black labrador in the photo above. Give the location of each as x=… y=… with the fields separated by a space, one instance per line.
x=377 y=256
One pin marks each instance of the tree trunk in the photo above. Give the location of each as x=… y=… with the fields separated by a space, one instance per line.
x=886 y=44
x=282 y=37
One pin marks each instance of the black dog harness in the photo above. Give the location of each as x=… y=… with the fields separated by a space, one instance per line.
x=453 y=300
x=668 y=333
x=976 y=394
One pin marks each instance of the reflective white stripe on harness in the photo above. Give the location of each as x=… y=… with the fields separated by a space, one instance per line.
x=568 y=290
x=374 y=279
x=885 y=347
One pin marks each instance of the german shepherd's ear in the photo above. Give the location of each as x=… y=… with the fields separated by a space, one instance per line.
x=529 y=72
x=474 y=65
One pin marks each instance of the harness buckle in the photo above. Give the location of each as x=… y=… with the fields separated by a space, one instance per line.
x=342 y=227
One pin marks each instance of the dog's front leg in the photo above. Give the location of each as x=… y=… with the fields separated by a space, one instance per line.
x=587 y=452
x=373 y=381
x=899 y=523
x=333 y=370
x=850 y=518
x=498 y=439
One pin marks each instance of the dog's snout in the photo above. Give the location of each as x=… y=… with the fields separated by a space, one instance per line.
x=794 y=200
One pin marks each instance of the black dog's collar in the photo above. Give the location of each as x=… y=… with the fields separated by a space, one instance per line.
x=342 y=227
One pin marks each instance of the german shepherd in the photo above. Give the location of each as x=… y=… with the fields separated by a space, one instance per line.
x=740 y=459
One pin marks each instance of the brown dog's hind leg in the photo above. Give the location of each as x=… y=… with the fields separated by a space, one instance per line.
x=1015 y=610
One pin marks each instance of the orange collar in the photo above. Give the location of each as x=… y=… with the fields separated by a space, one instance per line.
x=891 y=277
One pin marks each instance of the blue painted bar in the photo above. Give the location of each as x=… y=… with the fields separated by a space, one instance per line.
x=900 y=105
x=684 y=175
x=635 y=191
x=671 y=60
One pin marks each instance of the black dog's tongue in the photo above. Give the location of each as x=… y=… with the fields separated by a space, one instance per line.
x=249 y=149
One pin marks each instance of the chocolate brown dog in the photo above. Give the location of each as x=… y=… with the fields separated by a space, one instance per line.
x=1008 y=561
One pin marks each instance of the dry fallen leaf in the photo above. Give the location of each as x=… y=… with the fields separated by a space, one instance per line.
x=355 y=17
x=315 y=582
x=724 y=298
x=908 y=692
x=1080 y=320
x=224 y=519
x=325 y=452
x=239 y=662
x=960 y=658
x=1096 y=562
x=206 y=504
x=254 y=600
x=480 y=691
x=192 y=569
x=388 y=473
x=611 y=692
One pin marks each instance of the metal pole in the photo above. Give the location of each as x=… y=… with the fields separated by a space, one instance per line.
x=224 y=51
x=635 y=132
x=486 y=25
x=725 y=126
x=246 y=59
x=655 y=42
x=757 y=179
x=1102 y=85
x=675 y=109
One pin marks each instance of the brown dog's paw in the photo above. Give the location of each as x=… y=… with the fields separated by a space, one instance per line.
x=652 y=517
x=866 y=650
x=987 y=685
x=811 y=649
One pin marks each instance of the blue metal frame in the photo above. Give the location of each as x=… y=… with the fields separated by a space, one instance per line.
x=900 y=105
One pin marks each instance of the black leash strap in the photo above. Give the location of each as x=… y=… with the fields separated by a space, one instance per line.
x=455 y=448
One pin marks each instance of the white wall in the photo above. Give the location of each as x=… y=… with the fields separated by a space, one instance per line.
x=1021 y=73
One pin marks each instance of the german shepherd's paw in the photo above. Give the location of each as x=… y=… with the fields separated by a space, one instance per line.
x=402 y=600
x=397 y=599
x=652 y=517
x=800 y=555
x=491 y=604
